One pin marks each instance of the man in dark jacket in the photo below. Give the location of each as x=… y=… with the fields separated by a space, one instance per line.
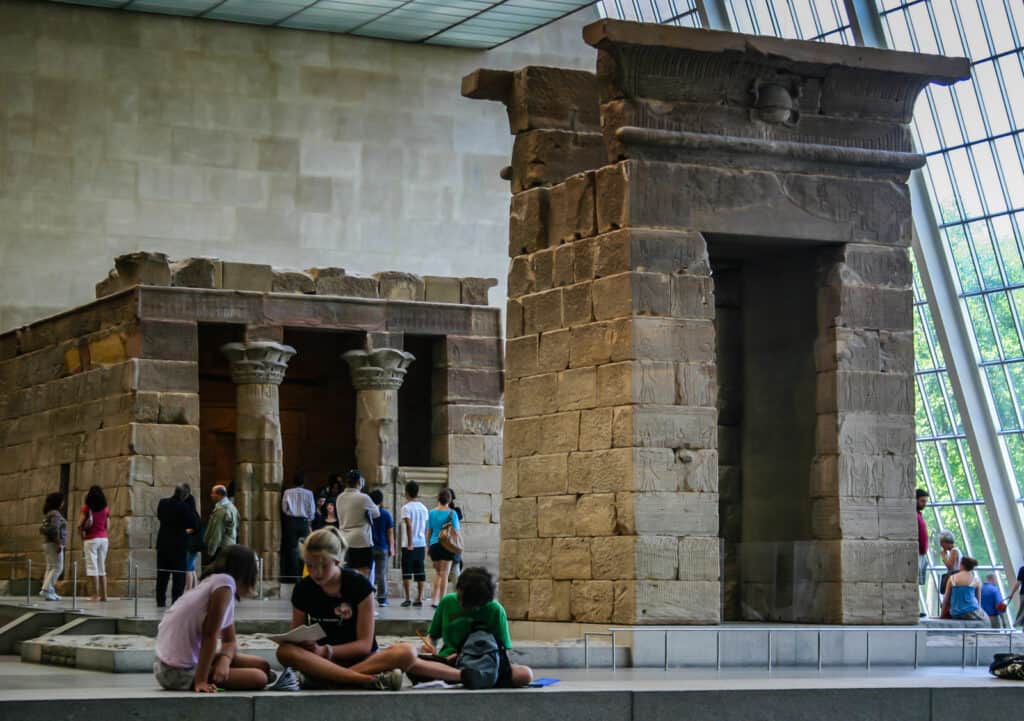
x=176 y=518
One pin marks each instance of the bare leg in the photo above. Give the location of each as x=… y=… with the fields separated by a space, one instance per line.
x=419 y=590
x=399 y=655
x=247 y=673
x=436 y=670
x=319 y=667
x=441 y=569
x=407 y=587
x=521 y=675
x=102 y=584
x=95 y=589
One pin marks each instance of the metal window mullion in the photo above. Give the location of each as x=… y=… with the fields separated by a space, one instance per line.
x=977 y=412
x=714 y=14
x=928 y=339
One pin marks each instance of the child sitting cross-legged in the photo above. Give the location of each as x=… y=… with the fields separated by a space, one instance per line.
x=342 y=602
x=471 y=608
x=196 y=648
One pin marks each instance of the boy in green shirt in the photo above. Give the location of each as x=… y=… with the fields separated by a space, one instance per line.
x=472 y=607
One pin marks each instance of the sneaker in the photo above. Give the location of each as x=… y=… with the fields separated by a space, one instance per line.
x=382 y=602
x=389 y=680
x=286 y=680
x=406 y=603
x=417 y=604
x=51 y=596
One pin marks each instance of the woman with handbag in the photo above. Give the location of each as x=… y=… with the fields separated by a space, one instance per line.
x=445 y=543
x=55 y=535
x=93 y=527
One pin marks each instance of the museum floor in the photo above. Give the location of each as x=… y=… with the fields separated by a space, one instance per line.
x=30 y=692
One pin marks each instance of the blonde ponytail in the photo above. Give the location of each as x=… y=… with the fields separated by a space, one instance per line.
x=329 y=541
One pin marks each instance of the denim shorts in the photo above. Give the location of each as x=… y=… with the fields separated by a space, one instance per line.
x=173 y=679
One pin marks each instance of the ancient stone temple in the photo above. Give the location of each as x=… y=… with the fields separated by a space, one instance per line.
x=709 y=398
x=206 y=371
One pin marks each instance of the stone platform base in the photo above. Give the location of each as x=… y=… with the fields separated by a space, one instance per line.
x=134 y=654
x=925 y=695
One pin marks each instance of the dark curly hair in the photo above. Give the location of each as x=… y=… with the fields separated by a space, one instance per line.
x=475 y=587
x=95 y=499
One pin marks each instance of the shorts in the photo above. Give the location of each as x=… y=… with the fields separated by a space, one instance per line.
x=95 y=550
x=413 y=563
x=173 y=679
x=359 y=557
x=922 y=569
x=440 y=553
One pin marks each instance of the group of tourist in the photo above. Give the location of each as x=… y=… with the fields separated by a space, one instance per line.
x=93 y=525
x=963 y=596
x=196 y=648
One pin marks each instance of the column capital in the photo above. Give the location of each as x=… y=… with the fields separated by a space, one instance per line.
x=382 y=369
x=258 y=361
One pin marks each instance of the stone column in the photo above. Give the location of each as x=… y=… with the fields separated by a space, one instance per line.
x=257 y=368
x=377 y=375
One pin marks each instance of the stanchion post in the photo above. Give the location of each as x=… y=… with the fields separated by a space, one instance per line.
x=74 y=586
x=28 y=583
x=135 y=588
x=259 y=578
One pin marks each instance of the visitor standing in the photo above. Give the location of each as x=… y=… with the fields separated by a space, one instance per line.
x=298 y=510
x=321 y=509
x=172 y=542
x=992 y=602
x=94 y=525
x=453 y=575
x=922 y=538
x=383 y=547
x=356 y=512
x=222 y=528
x=55 y=539
x=442 y=515
x=1017 y=585
x=196 y=646
x=414 y=549
x=195 y=541
x=341 y=602
x=963 y=593
x=951 y=557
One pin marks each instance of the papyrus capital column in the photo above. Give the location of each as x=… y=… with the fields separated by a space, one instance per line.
x=257 y=368
x=377 y=375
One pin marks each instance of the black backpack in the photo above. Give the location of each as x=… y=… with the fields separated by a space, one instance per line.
x=1008 y=666
x=482 y=659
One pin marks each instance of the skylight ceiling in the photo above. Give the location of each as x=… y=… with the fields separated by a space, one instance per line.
x=478 y=24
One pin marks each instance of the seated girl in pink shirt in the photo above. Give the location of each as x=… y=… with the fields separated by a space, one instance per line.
x=187 y=653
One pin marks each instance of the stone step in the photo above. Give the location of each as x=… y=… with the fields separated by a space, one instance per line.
x=125 y=653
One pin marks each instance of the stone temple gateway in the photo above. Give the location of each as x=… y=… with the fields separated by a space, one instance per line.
x=207 y=371
x=709 y=398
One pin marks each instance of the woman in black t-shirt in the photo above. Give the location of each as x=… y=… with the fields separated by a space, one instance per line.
x=342 y=602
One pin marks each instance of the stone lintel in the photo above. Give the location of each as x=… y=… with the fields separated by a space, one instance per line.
x=800 y=206
x=258 y=361
x=804 y=54
x=679 y=82
x=381 y=369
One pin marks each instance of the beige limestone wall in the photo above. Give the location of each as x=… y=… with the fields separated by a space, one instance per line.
x=125 y=131
x=115 y=400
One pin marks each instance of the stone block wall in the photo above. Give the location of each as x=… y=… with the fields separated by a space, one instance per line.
x=466 y=436
x=863 y=475
x=121 y=131
x=611 y=468
x=116 y=400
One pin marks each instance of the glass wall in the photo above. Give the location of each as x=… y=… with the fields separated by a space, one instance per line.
x=971 y=134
